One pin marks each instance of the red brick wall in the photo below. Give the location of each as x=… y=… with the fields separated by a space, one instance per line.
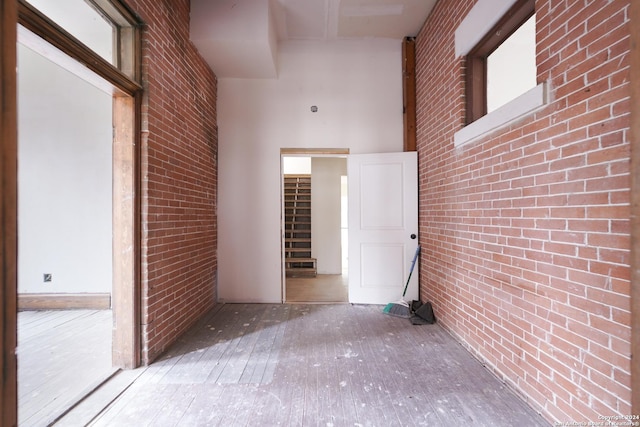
x=526 y=231
x=179 y=181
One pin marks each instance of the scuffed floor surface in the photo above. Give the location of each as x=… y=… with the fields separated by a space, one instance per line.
x=62 y=354
x=315 y=365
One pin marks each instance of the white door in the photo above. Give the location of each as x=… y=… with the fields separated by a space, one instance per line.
x=383 y=224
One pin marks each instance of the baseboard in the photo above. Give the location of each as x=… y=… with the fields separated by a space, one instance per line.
x=64 y=301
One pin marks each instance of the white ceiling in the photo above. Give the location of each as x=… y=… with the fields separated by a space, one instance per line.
x=239 y=38
x=339 y=19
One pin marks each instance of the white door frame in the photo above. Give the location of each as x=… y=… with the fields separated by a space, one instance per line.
x=298 y=152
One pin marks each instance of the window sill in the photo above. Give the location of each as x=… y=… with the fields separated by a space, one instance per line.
x=520 y=106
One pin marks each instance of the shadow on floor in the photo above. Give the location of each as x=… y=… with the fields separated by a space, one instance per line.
x=314 y=364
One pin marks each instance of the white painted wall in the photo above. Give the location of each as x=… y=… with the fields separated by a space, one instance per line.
x=296 y=165
x=64 y=179
x=357 y=87
x=326 y=232
x=236 y=37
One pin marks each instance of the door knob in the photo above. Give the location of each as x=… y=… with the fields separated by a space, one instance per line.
x=413 y=236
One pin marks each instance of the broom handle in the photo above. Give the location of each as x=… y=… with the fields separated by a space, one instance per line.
x=413 y=264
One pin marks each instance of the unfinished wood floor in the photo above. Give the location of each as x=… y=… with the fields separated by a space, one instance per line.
x=314 y=365
x=325 y=288
x=62 y=355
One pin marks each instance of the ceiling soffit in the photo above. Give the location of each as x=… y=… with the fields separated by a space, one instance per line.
x=239 y=38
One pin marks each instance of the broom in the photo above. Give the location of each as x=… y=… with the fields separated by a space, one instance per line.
x=401 y=308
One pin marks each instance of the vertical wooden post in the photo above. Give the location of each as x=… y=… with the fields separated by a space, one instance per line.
x=126 y=343
x=634 y=26
x=409 y=92
x=8 y=213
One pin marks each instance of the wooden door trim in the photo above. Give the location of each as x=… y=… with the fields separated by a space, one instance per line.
x=126 y=232
x=409 y=93
x=310 y=152
x=33 y=20
x=127 y=95
x=8 y=213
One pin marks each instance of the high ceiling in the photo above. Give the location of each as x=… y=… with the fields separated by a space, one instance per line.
x=338 y=19
x=239 y=38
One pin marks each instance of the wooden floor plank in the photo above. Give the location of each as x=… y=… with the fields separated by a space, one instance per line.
x=205 y=409
x=286 y=384
x=173 y=414
x=62 y=355
x=324 y=288
x=35 y=323
x=85 y=411
x=392 y=387
x=266 y=348
x=240 y=350
x=157 y=399
x=333 y=365
x=347 y=407
x=230 y=363
x=281 y=315
x=397 y=386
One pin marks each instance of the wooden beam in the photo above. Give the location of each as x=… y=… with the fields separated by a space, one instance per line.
x=126 y=333
x=315 y=151
x=33 y=20
x=634 y=81
x=409 y=92
x=8 y=213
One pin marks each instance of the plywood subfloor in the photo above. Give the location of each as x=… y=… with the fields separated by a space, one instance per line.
x=62 y=355
x=315 y=365
x=322 y=288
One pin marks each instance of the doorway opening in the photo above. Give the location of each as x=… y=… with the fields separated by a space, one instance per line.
x=76 y=193
x=65 y=228
x=314 y=227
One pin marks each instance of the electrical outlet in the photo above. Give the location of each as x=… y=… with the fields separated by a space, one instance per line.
x=48 y=277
